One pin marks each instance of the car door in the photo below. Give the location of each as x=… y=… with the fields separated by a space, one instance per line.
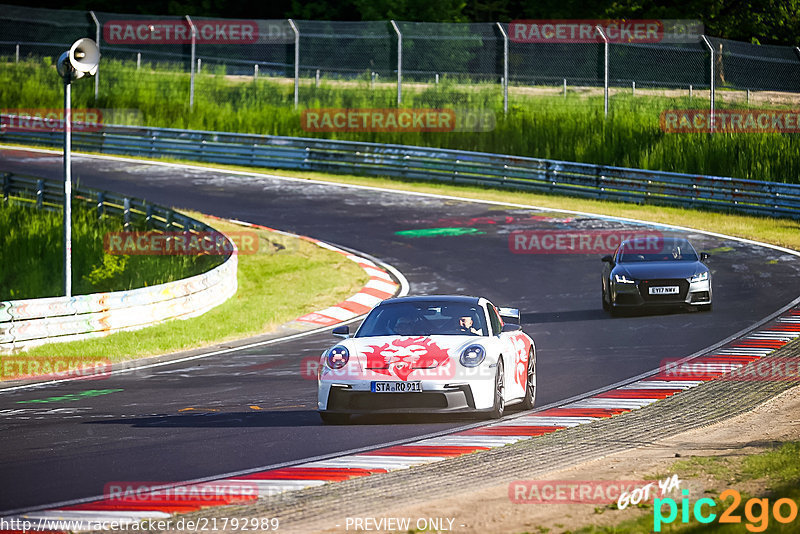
x=515 y=355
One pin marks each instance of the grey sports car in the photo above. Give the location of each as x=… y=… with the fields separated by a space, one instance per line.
x=656 y=272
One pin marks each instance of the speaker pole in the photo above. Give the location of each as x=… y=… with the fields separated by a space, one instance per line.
x=79 y=61
x=67 y=188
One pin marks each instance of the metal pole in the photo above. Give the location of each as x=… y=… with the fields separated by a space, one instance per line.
x=138 y=60
x=605 y=68
x=199 y=65
x=296 y=63
x=97 y=41
x=565 y=88
x=16 y=56
x=255 y=71
x=191 y=83
x=316 y=80
x=399 y=63
x=505 y=67
x=711 y=88
x=67 y=190
x=633 y=88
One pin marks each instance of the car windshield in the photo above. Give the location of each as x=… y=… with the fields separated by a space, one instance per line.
x=656 y=249
x=424 y=318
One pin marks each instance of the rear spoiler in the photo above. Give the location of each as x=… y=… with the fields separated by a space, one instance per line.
x=510 y=314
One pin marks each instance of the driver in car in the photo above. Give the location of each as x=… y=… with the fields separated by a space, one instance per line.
x=465 y=326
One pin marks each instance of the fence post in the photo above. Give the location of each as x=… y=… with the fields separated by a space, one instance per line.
x=96 y=40
x=399 y=63
x=605 y=68
x=16 y=56
x=39 y=194
x=126 y=213
x=255 y=71
x=101 y=204
x=505 y=67
x=191 y=82
x=712 y=88
x=199 y=64
x=296 y=63
x=6 y=185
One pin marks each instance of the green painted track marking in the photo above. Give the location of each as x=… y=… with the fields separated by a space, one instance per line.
x=439 y=232
x=70 y=397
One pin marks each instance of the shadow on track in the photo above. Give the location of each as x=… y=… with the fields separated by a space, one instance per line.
x=275 y=419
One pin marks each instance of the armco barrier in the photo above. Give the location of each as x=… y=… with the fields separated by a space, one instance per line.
x=26 y=323
x=421 y=163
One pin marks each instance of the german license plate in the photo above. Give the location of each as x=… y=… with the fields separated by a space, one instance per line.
x=396 y=387
x=664 y=290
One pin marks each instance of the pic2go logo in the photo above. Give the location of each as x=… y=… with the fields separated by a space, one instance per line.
x=756 y=511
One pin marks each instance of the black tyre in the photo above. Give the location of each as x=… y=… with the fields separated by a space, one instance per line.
x=530 y=382
x=499 y=392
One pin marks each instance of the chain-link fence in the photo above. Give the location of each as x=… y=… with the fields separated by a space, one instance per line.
x=387 y=64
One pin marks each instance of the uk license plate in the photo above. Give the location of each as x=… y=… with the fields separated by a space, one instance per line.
x=664 y=290
x=396 y=387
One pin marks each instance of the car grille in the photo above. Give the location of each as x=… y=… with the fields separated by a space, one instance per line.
x=357 y=400
x=645 y=285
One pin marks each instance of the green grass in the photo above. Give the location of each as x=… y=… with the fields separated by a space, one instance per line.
x=539 y=124
x=778 y=470
x=32 y=255
x=286 y=279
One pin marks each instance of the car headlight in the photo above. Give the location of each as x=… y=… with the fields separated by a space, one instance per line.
x=472 y=356
x=622 y=279
x=702 y=277
x=337 y=357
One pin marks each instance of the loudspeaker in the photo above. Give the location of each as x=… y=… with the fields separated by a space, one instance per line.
x=79 y=61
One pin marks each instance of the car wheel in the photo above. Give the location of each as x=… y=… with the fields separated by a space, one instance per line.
x=530 y=382
x=704 y=307
x=606 y=307
x=334 y=418
x=499 y=392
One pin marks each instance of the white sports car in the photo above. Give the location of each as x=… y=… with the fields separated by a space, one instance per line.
x=435 y=354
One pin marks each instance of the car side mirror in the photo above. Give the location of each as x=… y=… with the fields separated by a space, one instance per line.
x=342 y=331
x=704 y=256
x=608 y=259
x=511 y=328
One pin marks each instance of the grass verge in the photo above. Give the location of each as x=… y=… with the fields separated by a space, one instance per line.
x=317 y=278
x=538 y=124
x=32 y=255
x=765 y=477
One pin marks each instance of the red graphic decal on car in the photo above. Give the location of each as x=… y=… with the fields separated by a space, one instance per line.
x=521 y=349
x=402 y=356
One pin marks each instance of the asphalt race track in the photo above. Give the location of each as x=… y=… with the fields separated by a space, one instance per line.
x=254 y=408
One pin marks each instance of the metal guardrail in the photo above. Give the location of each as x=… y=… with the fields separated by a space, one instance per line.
x=26 y=323
x=421 y=163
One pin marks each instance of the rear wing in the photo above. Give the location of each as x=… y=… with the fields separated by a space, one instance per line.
x=509 y=315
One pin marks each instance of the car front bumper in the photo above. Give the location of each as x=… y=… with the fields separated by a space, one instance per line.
x=637 y=295
x=447 y=395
